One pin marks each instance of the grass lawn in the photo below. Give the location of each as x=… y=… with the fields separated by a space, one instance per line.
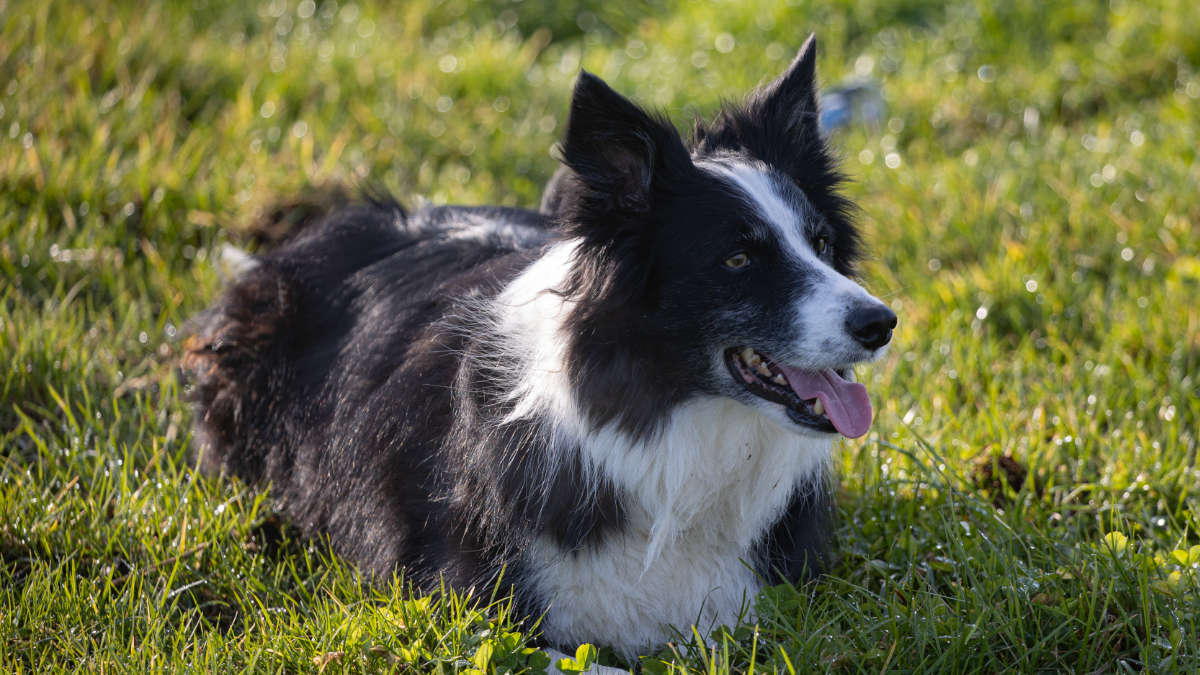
x=1028 y=498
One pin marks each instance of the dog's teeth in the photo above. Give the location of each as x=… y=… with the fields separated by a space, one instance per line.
x=763 y=369
x=818 y=408
x=779 y=379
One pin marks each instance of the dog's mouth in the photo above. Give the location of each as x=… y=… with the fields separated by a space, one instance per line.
x=823 y=400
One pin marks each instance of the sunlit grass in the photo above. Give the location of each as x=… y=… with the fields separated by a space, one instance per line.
x=1029 y=197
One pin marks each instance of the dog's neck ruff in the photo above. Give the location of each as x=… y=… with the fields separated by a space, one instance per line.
x=697 y=494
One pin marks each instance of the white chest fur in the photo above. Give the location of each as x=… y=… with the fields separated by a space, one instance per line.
x=697 y=499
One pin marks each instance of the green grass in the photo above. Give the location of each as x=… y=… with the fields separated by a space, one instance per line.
x=1031 y=200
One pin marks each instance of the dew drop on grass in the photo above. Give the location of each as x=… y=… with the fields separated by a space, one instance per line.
x=864 y=65
x=1031 y=119
x=586 y=21
x=325 y=50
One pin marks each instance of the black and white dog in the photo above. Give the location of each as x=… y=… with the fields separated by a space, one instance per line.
x=628 y=405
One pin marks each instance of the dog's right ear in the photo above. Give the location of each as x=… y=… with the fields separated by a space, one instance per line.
x=617 y=151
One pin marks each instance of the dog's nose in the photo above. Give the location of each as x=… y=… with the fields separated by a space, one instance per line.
x=871 y=325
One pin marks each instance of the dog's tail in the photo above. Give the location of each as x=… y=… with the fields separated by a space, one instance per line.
x=240 y=357
x=227 y=364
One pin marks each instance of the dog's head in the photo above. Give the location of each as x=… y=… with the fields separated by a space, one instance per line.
x=719 y=266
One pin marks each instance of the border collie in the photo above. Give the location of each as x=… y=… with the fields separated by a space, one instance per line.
x=626 y=405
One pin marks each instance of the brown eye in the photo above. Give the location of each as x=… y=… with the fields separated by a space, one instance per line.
x=822 y=245
x=737 y=261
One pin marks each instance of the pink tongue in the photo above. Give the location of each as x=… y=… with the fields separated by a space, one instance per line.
x=846 y=403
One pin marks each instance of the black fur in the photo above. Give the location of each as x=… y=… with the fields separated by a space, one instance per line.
x=628 y=187
x=797 y=545
x=778 y=124
x=354 y=369
x=326 y=371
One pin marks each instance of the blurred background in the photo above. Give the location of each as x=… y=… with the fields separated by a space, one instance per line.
x=1027 y=175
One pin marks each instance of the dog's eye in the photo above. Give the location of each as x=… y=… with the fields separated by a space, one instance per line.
x=821 y=244
x=737 y=261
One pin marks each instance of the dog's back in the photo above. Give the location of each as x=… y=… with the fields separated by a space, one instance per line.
x=326 y=369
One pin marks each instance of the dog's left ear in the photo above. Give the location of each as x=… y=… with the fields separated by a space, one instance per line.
x=790 y=102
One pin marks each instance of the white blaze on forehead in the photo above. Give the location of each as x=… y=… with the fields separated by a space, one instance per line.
x=821 y=340
x=785 y=216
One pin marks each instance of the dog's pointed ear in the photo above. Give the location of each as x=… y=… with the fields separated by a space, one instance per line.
x=617 y=150
x=790 y=102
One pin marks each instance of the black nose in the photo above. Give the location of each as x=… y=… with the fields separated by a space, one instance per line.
x=871 y=325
